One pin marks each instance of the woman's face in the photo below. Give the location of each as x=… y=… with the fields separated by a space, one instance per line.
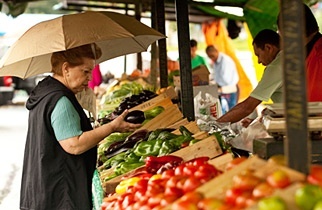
x=77 y=77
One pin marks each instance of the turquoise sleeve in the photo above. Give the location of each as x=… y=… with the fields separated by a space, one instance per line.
x=65 y=120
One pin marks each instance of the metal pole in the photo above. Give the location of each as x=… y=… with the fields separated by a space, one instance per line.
x=182 y=14
x=297 y=143
x=154 y=58
x=163 y=60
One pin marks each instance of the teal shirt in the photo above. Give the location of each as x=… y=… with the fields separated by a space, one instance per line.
x=65 y=120
x=197 y=61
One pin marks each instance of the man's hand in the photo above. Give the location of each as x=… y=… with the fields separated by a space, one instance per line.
x=246 y=122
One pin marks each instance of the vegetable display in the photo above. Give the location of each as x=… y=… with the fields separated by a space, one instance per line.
x=161 y=189
x=156 y=143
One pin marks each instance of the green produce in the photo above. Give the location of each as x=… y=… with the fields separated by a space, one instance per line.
x=154 y=134
x=113 y=161
x=166 y=135
x=132 y=157
x=224 y=146
x=152 y=113
x=307 y=196
x=318 y=205
x=167 y=147
x=272 y=203
x=147 y=148
x=124 y=167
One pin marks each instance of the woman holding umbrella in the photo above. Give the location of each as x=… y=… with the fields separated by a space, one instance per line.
x=60 y=153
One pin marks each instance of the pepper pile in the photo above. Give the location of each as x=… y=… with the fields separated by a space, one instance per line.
x=159 y=142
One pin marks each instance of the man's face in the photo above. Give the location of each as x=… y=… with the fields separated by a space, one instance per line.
x=264 y=55
x=213 y=55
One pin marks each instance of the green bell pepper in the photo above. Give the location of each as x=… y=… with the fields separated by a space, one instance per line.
x=124 y=167
x=146 y=148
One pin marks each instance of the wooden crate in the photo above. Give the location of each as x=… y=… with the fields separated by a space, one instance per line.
x=164 y=100
x=207 y=147
x=261 y=167
x=217 y=187
x=177 y=124
x=191 y=126
x=169 y=116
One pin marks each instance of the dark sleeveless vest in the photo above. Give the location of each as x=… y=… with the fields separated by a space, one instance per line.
x=53 y=179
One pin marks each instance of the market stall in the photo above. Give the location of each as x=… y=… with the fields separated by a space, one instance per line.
x=197 y=168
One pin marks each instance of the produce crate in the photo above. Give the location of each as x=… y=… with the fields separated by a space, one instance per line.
x=206 y=147
x=261 y=167
x=217 y=187
x=164 y=100
x=169 y=116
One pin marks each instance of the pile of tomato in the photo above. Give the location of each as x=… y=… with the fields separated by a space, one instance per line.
x=159 y=190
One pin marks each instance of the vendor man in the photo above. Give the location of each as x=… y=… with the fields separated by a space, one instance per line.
x=266 y=46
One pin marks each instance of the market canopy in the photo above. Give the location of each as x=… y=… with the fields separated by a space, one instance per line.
x=258 y=14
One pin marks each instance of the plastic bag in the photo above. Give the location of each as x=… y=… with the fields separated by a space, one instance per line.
x=207 y=108
x=244 y=140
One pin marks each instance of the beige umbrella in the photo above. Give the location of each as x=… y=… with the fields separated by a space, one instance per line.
x=116 y=34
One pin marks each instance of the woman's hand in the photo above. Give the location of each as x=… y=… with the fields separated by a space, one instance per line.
x=120 y=125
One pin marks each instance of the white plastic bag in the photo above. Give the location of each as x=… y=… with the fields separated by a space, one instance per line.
x=244 y=140
x=207 y=108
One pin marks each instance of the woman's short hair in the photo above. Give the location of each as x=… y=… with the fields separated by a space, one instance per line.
x=74 y=56
x=266 y=36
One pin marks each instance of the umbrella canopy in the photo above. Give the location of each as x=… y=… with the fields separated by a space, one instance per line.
x=116 y=34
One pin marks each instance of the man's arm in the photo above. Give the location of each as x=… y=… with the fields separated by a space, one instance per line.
x=240 y=111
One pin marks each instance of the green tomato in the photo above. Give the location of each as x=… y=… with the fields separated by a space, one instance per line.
x=318 y=205
x=307 y=196
x=270 y=203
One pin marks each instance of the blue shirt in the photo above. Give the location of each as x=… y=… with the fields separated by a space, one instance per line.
x=225 y=71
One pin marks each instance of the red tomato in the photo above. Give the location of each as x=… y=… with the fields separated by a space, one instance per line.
x=128 y=200
x=185 y=205
x=139 y=204
x=179 y=170
x=160 y=182
x=192 y=196
x=172 y=181
x=168 y=199
x=167 y=174
x=138 y=194
x=209 y=169
x=155 y=200
x=189 y=170
x=263 y=190
x=243 y=199
x=315 y=174
x=153 y=190
x=210 y=204
x=279 y=179
x=191 y=184
x=234 y=162
x=199 y=160
x=141 y=185
x=245 y=181
x=231 y=195
x=173 y=191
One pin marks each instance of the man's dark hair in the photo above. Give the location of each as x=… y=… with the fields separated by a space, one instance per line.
x=267 y=36
x=311 y=25
x=193 y=43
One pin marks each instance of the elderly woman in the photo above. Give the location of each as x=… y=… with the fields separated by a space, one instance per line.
x=60 y=153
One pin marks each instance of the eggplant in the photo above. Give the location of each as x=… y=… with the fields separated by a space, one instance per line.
x=137 y=136
x=136 y=117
